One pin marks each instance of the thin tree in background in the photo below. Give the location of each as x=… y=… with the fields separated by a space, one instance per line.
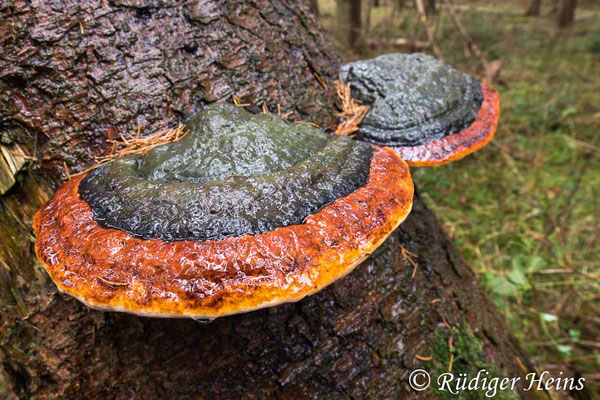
x=534 y=8
x=355 y=20
x=314 y=5
x=348 y=21
x=428 y=28
x=566 y=13
x=397 y=6
x=370 y=5
x=430 y=7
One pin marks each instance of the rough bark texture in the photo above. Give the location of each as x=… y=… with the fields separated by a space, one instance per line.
x=73 y=76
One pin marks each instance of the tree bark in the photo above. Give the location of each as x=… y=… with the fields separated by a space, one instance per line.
x=73 y=76
x=566 y=13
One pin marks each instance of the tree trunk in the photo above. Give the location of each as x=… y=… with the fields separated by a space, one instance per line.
x=74 y=75
x=349 y=22
x=430 y=7
x=566 y=13
x=314 y=5
x=534 y=8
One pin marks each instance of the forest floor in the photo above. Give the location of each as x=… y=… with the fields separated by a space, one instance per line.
x=525 y=210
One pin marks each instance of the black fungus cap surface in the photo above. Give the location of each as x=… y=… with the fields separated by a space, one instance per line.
x=235 y=173
x=413 y=98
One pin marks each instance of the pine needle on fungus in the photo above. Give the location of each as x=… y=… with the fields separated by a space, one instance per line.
x=352 y=111
x=352 y=114
x=137 y=145
x=111 y=283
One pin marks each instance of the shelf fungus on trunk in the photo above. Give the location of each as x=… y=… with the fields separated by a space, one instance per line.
x=246 y=211
x=427 y=111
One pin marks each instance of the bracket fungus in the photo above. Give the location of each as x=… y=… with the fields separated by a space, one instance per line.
x=246 y=211
x=427 y=111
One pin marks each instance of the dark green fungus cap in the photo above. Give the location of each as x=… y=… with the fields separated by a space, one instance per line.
x=235 y=173
x=414 y=98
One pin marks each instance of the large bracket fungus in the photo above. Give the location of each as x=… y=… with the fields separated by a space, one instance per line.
x=246 y=211
x=427 y=111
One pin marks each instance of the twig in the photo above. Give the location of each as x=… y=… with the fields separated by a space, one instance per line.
x=429 y=29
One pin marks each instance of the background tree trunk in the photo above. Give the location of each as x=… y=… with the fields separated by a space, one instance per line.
x=566 y=13
x=74 y=75
x=348 y=21
x=314 y=5
x=534 y=8
x=430 y=6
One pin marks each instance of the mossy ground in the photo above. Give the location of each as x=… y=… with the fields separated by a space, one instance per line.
x=525 y=210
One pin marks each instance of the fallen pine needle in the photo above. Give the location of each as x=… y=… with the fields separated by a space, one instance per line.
x=352 y=111
x=136 y=145
x=450 y=342
x=142 y=145
x=111 y=283
x=410 y=256
x=67 y=170
x=320 y=80
x=25 y=156
x=307 y=123
x=237 y=101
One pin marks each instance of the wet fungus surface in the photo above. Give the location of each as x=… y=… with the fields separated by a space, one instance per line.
x=426 y=110
x=246 y=211
x=235 y=174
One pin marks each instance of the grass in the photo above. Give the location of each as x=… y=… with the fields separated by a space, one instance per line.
x=525 y=210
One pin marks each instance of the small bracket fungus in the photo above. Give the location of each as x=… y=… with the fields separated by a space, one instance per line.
x=427 y=111
x=246 y=211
